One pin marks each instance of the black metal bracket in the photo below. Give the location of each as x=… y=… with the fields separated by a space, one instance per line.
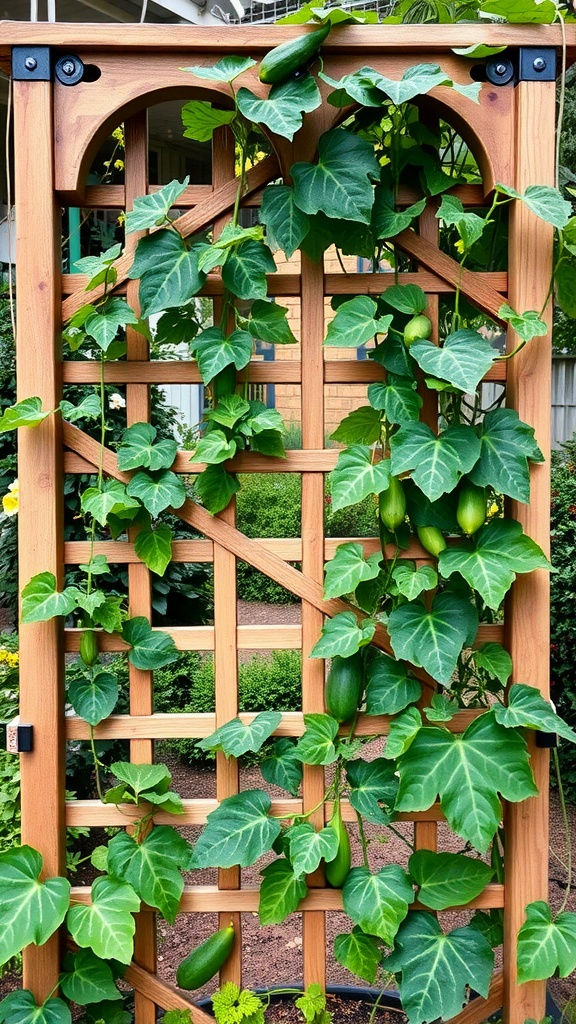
x=31 y=64
x=546 y=740
x=15 y=737
x=537 y=64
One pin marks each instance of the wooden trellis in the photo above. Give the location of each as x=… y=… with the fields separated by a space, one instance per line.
x=57 y=132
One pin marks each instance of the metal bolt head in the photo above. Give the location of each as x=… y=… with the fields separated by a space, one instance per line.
x=539 y=64
x=68 y=67
x=501 y=69
x=30 y=63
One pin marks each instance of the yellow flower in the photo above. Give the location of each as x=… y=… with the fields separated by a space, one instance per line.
x=10 y=500
x=119 y=165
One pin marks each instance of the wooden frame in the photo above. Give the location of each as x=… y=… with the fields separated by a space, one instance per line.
x=57 y=129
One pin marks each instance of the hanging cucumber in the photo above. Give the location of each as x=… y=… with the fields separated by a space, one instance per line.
x=471 y=510
x=419 y=328
x=392 y=504
x=337 y=869
x=432 y=539
x=344 y=686
x=89 y=647
x=206 y=960
x=283 y=61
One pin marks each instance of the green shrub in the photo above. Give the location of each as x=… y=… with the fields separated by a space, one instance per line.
x=563 y=597
x=268 y=505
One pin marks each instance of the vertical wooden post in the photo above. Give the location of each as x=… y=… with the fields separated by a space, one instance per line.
x=40 y=520
x=312 y=399
x=527 y=610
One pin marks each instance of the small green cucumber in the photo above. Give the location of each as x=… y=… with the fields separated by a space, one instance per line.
x=89 y=647
x=392 y=504
x=337 y=870
x=344 y=686
x=281 y=62
x=419 y=328
x=432 y=539
x=471 y=510
x=206 y=960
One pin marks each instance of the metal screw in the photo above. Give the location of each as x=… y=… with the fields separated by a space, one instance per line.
x=68 y=67
x=30 y=63
x=501 y=69
x=539 y=64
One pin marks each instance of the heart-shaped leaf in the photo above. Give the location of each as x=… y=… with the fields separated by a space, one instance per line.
x=244 y=272
x=152 y=867
x=464 y=359
x=403 y=728
x=316 y=745
x=154 y=547
x=157 y=492
x=42 y=601
x=150 y=648
x=506 y=444
x=214 y=448
x=355 y=323
x=235 y=738
x=437 y=461
x=362 y=426
x=359 y=953
x=528 y=709
x=93 y=695
x=268 y=323
x=280 y=892
x=239 y=831
x=286 y=224
x=308 y=847
x=546 y=945
x=27 y=413
x=283 y=768
x=355 y=476
x=379 y=902
x=342 y=635
x=138 y=448
x=20 y=1007
x=339 y=184
x=389 y=688
x=200 y=119
x=214 y=351
x=373 y=787
x=348 y=568
x=152 y=210
x=30 y=910
x=397 y=398
x=106 y=926
x=433 y=638
x=495 y=660
x=411 y=582
x=283 y=109
x=168 y=272
x=448 y=879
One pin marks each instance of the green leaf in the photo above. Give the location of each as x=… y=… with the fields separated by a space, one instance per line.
x=355 y=476
x=152 y=867
x=154 y=547
x=348 y=568
x=433 y=638
x=283 y=768
x=308 y=847
x=389 y=688
x=42 y=601
x=544 y=201
x=150 y=648
x=358 y=953
x=397 y=398
x=177 y=325
x=387 y=222
x=152 y=210
x=355 y=323
x=88 y=408
x=244 y=272
x=477 y=50
x=157 y=492
x=200 y=119
x=214 y=448
x=312 y=1005
x=106 y=926
x=224 y=70
x=20 y=1007
x=239 y=831
x=93 y=695
x=565 y=281
x=528 y=709
x=109 y=1012
x=216 y=487
x=442 y=708
x=235 y=739
x=527 y=325
x=494 y=660
x=406 y=298
x=282 y=111
x=339 y=184
x=437 y=969
x=137 y=448
x=373 y=786
x=168 y=272
x=30 y=910
x=90 y=980
x=109 y=615
x=437 y=462
x=411 y=582
x=104 y=323
x=316 y=745
x=280 y=892
x=378 y=903
x=214 y=351
x=468 y=225
x=448 y=879
x=546 y=946
x=27 y=413
x=506 y=444
x=342 y=635
x=463 y=360
x=490 y=562
x=111 y=497
x=229 y=410
x=361 y=426
x=268 y=323
x=467 y=772
x=141 y=777
x=286 y=225
x=230 y=1005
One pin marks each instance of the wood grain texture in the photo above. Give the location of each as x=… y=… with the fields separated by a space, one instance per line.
x=148 y=988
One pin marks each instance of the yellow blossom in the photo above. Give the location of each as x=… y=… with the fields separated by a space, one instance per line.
x=10 y=500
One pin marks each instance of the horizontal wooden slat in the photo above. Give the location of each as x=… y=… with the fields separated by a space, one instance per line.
x=278 y=284
x=433 y=284
x=201 y=638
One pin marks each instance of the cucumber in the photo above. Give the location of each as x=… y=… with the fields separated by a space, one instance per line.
x=337 y=869
x=89 y=647
x=206 y=960
x=281 y=62
x=471 y=510
x=392 y=504
x=344 y=686
x=432 y=539
x=417 y=329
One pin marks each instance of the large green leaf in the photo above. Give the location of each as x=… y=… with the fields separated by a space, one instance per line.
x=506 y=444
x=359 y=953
x=215 y=447
x=93 y=694
x=141 y=777
x=111 y=497
x=316 y=745
x=89 y=408
x=154 y=547
x=546 y=202
x=98 y=269
x=42 y=601
x=436 y=969
x=280 y=892
x=283 y=109
x=521 y=12
x=412 y=582
x=152 y=210
x=467 y=772
x=30 y=910
x=546 y=945
x=27 y=413
x=463 y=360
x=90 y=979
x=342 y=635
x=406 y=298
x=389 y=688
x=348 y=568
x=528 y=709
x=244 y=272
x=355 y=476
x=527 y=325
x=490 y=562
x=373 y=787
x=239 y=831
x=138 y=448
x=286 y=225
x=216 y=488
x=397 y=398
x=150 y=647
x=339 y=184
x=168 y=272
x=355 y=323
x=104 y=323
x=403 y=728
x=495 y=660
x=283 y=768
x=448 y=879
x=157 y=492
x=468 y=225
x=235 y=738
x=200 y=119
x=361 y=426
x=379 y=902
x=152 y=867
x=268 y=323
x=224 y=70
x=436 y=462
x=432 y=638
x=308 y=847
x=214 y=351
x=565 y=282
x=106 y=925
x=20 y=1007
x=229 y=410
x=387 y=221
